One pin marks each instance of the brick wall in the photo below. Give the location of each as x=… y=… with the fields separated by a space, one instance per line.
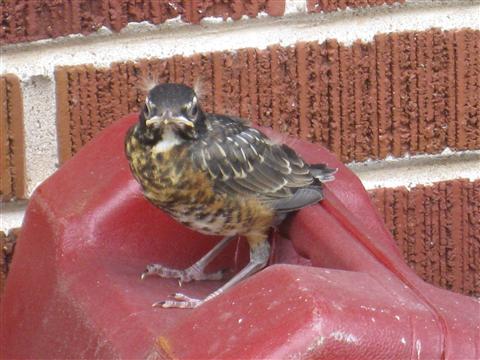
x=437 y=228
x=374 y=81
x=12 y=159
x=390 y=96
x=26 y=20
x=7 y=245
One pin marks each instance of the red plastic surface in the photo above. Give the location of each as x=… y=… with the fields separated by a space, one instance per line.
x=74 y=289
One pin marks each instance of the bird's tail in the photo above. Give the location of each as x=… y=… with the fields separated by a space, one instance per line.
x=322 y=172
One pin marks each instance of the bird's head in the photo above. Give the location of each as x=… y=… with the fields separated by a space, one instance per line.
x=172 y=109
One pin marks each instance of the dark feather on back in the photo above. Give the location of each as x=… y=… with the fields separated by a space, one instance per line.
x=243 y=161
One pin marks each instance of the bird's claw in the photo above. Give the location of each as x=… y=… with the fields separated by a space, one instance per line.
x=180 y=301
x=144 y=275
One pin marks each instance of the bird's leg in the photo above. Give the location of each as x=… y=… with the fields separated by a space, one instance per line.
x=258 y=259
x=194 y=272
x=273 y=247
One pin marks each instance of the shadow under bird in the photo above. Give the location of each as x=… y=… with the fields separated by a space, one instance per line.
x=215 y=174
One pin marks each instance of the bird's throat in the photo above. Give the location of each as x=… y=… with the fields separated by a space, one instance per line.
x=168 y=141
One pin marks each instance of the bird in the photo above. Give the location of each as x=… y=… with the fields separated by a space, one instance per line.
x=217 y=175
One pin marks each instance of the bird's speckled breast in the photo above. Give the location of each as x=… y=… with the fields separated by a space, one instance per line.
x=171 y=183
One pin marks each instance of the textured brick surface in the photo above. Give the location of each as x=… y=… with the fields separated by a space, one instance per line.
x=12 y=166
x=333 y=5
x=7 y=244
x=414 y=92
x=437 y=229
x=27 y=20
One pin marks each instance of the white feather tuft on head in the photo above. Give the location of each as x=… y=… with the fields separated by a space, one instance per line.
x=198 y=86
x=147 y=84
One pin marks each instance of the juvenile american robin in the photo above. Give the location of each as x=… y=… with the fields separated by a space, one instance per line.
x=215 y=174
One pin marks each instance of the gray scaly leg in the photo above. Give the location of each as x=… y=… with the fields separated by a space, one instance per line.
x=194 y=272
x=258 y=260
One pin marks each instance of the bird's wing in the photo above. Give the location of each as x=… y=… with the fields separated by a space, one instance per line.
x=243 y=161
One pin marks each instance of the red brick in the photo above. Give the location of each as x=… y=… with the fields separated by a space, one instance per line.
x=12 y=163
x=7 y=245
x=437 y=229
x=26 y=20
x=333 y=5
x=384 y=96
x=403 y=93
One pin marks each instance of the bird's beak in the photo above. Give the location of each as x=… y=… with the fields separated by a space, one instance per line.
x=168 y=119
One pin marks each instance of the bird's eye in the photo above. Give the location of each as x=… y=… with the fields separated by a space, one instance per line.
x=193 y=110
x=149 y=108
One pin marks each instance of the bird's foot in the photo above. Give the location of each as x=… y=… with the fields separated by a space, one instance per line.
x=187 y=275
x=180 y=301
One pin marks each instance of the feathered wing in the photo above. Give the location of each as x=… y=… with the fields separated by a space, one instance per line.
x=243 y=161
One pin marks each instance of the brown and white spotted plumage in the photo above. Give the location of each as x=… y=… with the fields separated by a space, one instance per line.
x=216 y=175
